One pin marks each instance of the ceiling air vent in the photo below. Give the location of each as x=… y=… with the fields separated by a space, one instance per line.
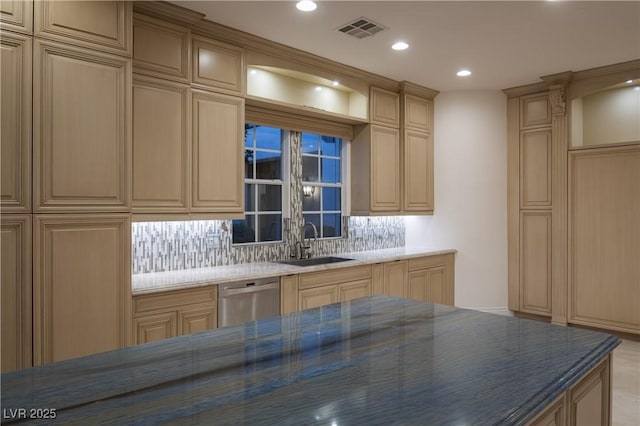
x=361 y=28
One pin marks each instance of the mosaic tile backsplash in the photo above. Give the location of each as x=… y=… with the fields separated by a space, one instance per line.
x=171 y=246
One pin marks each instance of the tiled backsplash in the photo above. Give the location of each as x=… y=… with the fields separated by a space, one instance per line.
x=169 y=246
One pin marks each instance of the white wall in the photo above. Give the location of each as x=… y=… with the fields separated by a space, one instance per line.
x=470 y=196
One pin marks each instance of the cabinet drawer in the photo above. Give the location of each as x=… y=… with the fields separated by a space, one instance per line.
x=429 y=261
x=341 y=275
x=172 y=299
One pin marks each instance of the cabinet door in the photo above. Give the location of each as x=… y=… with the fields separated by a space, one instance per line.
x=17 y=15
x=418 y=172
x=535 y=169
x=384 y=107
x=590 y=399
x=288 y=294
x=193 y=320
x=15 y=115
x=535 y=262
x=150 y=328
x=218 y=136
x=15 y=250
x=418 y=113
x=218 y=66
x=81 y=129
x=161 y=49
x=161 y=146
x=318 y=296
x=395 y=278
x=418 y=288
x=353 y=290
x=535 y=111
x=385 y=169
x=101 y=25
x=82 y=290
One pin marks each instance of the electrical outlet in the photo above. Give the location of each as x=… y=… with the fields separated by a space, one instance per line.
x=212 y=240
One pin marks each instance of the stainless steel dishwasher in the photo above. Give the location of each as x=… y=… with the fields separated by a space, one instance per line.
x=244 y=301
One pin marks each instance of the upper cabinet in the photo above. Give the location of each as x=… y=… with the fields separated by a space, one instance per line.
x=535 y=110
x=161 y=49
x=417 y=113
x=16 y=15
x=217 y=66
x=15 y=114
x=384 y=107
x=102 y=25
x=81 y=129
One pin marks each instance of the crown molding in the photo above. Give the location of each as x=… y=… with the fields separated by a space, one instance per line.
x=415 y=89
x=168 y=12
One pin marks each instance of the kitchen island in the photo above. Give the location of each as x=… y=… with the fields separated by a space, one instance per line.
x=375 y=360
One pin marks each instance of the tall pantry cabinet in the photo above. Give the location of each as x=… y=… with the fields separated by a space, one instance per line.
x=77 y=205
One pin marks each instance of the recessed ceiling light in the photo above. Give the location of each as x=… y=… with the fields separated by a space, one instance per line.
x=335 y=83
x=252 y=72
x=400 y=45
x=318 y=89
x=463 y=73
x=306 y=5
x=629 y=81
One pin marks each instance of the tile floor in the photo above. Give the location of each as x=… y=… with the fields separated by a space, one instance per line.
x=626 y=384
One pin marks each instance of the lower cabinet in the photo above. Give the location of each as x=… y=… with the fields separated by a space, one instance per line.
x=81 y=285
x=427 y=279
x=431 y=279
x=174 y=313
x=15 y=249
x=588 y=402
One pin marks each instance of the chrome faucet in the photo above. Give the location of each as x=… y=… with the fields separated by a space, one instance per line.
x=304 y=250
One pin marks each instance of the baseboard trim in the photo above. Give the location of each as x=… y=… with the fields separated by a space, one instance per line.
x=492 y=310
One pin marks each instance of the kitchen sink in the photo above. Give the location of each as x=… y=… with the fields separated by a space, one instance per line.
x=315 y=261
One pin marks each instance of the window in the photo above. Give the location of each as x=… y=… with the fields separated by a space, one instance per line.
x=263 y=186
x=322 y=184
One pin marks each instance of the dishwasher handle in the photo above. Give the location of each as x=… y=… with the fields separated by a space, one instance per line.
x=249 y=289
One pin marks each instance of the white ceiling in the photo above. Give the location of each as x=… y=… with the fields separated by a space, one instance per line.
x=504 y=44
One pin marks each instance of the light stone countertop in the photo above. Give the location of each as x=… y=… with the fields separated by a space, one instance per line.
x=190 y=278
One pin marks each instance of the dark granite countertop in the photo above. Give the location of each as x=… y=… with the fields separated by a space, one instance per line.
x=377 y=360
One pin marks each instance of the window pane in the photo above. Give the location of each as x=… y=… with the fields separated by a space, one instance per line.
x=331 y=225
x=249 y=131
x=331 y=199
x=330 y=146
x=243 y=230
x=248 y=163
x=310 y=169
x=330 y=170
x=249 y=198
x=310 y=143
x=311 y=202
x=269 y=198
x=270 y=227
x=268 y=165
x=315 y=219
x=268 y=138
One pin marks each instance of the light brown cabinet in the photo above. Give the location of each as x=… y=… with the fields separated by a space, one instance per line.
x=418 y=172
x=604 y=230
x=535 y=262
x=16 y=310
x=100 y=25
x=217 y=66
x=161 y=49
x=384 y=107
x=431 y=279
x=590 y=400
x=82 y=129
x=161 y=146
x=535 y=111
x=81 y=281
x=376 y=173
x=318 y=296
x=417 y=113
x=174 y=313
x=17 y=15
x=535 y=169
x=217 y=154
x=15 y=114
x=395 y=278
